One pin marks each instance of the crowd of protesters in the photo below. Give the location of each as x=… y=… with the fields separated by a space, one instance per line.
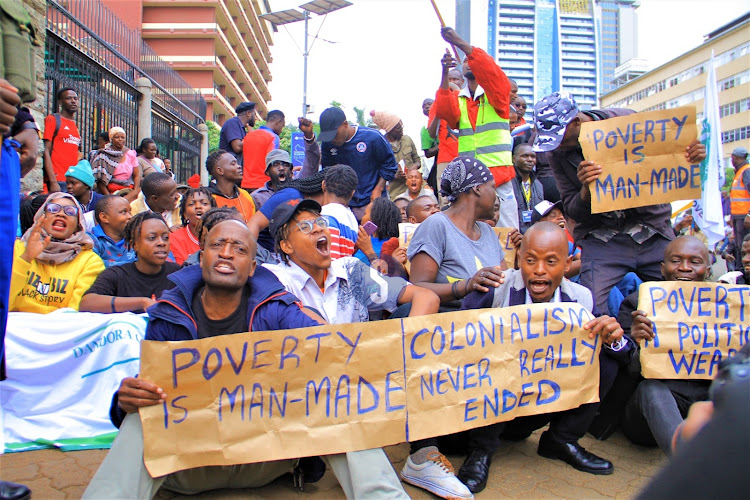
x=260 y=248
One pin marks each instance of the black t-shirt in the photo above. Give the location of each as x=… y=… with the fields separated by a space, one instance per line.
x=127 y=281
x=234 y=323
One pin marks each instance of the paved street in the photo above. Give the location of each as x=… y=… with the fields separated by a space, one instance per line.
x=517 y=472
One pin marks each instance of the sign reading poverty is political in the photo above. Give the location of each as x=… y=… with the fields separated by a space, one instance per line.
x=696 y=325
x=642 y=158
x=62 y=369
x=263 y=396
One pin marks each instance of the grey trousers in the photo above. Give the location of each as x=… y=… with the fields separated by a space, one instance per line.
x=122 y=474
x=658 y=407
x=508 y=206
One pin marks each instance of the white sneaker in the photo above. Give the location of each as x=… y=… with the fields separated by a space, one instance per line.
x=436 y=476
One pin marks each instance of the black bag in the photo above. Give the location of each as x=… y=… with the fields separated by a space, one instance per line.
x=17 y=40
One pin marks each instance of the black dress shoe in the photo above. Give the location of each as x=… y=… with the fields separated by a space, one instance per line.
x=473 y=473
x=574 y=454
x=13 y=491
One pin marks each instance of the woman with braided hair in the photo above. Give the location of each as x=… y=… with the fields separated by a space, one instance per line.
x=135 y=286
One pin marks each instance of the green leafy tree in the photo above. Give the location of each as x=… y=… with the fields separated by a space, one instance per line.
x=361 y=120
x=213 y=136
x=336 y=104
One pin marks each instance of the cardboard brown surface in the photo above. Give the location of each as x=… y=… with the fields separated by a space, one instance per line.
x=269 y=397
x=642 y=158
x=696 y=325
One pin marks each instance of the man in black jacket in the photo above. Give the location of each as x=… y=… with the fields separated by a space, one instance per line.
x=613 y=243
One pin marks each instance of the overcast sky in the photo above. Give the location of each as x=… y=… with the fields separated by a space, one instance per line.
x=385 y=54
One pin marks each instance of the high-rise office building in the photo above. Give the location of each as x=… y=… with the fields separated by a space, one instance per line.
x=571 y=45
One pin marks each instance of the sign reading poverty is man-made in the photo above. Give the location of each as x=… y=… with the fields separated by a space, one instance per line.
x=642 y=158
x=695 y=325
x=263 y=396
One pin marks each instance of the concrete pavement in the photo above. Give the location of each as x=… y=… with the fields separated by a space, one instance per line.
x=517 y=472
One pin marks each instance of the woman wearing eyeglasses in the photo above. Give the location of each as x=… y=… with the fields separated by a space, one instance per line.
x=53 y=262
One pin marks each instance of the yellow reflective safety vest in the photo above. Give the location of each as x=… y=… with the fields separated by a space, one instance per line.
x=738 y=194
x=490 y=142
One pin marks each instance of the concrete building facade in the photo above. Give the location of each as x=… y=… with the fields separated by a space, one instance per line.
x=682 y=81
x=220 y=47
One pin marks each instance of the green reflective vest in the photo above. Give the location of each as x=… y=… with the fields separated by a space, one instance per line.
x=490 y=143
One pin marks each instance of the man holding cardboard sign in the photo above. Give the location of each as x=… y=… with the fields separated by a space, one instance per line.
x=543 y=260
x=613 y=242
x=227 y=294
x=659 y=405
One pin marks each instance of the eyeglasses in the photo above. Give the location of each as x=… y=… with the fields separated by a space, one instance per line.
x=281 y=164
x=69 y=210
x=306 y=226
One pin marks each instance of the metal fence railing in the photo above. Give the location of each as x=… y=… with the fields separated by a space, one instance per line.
x=90 y=48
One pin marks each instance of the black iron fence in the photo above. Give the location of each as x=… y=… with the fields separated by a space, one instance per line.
x=90 y=49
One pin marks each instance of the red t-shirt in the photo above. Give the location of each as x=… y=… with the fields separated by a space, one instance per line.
x=255 y=146
x=65 y=146
x=183 y=244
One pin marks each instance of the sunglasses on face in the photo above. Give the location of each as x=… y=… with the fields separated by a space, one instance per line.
x=69 y=210
x=281 y=164
x=306 y=226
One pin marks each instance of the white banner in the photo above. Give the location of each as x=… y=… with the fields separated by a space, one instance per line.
x=62 y=370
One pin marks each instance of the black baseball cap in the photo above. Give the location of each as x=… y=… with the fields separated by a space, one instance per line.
x=284 y=213
x=330 y=120
x=244 y=106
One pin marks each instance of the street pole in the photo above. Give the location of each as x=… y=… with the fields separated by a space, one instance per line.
x=304 y=77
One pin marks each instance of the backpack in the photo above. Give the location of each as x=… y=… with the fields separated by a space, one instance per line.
x=17 y=41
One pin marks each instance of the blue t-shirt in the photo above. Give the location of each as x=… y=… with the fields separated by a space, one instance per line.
x=230 y=131
x=371 y=157
x=265 y=238
x=95 y=197
x=377 y=246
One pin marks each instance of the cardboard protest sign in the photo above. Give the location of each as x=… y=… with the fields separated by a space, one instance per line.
x=405 y=232
x=493 y=365
x=695 y=324
x=260 y=396
x=503 y=236
x=642 y=158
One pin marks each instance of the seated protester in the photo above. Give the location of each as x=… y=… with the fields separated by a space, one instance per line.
x=216 y=302
x=740 y=277
x=279 y=170
x=496 y=215
x=209 y=220
x=401 y=204
x=159 y=194
x=421 y=208
x=112 y=214
x=415 y=185
x=338 y=188
x=80 y=183
x=227 y=173
x=135 y=286
x=546 y=211
x=309 y=272
x=453 y=254
x=185 y=241
x=384 y=214
x=28 y=209
x=308 y=187
x=526 y=188
x=543 y=261
x=657 y=408
x=53 y=264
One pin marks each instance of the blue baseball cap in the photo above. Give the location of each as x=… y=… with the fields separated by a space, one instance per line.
x=330 y=120
x=552 y=115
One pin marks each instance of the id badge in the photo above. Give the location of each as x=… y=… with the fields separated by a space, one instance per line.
x=526 y=215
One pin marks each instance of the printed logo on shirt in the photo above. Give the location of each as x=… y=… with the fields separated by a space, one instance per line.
x=334 y=151
x=361 y=147
x=52 y=292
x=66 y=127
x=71 y=139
